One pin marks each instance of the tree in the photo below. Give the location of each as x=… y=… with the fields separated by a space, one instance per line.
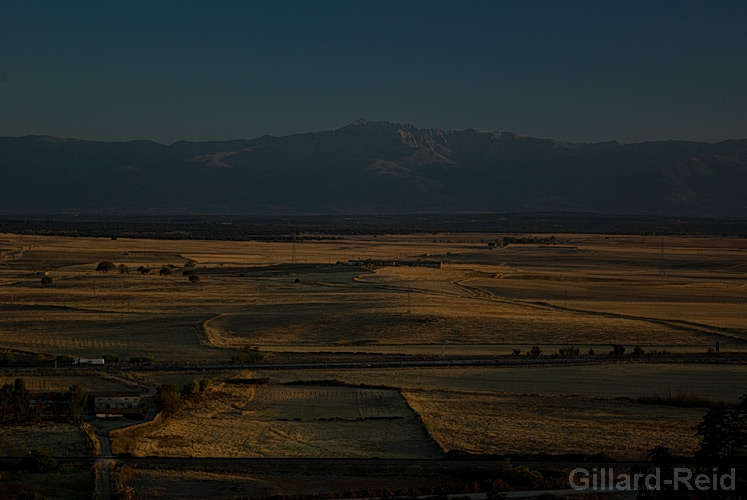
x=723 y=433
x=188 y=272
x=194 y=278
x=535 y=351
x=569 y=352
x=170 y=399
x=105 y=266
x=76 y=402
x=6 y=403
x=123 y=269
x=21 y=400
x=165 y=271
x=618 y=350
x=110 y=358
x=46 y=280
x=190 y=263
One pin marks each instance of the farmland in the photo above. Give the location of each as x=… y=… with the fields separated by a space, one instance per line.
x=292 y=421
x=300 y=302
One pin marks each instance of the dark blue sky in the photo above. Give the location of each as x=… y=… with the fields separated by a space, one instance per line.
x=576 y=70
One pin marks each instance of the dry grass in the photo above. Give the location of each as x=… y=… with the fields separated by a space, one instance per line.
x=56 y=438
x=62 y=382
x=488 y=423
x=722 y=382
x=291 y=421
x=590 y=290
x=518 y=295
x=70 y=483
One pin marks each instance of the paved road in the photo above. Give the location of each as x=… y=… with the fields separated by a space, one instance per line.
x=106 y=461
x=496 y=361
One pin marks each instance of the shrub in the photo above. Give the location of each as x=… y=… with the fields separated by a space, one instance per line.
x=569 y=352
x=141 y=359
x=521 y=477
x=105 y=267
x=170 y=399
x=110 y=358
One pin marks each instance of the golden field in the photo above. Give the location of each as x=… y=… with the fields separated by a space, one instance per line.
x=291 y=421
x=679 y=294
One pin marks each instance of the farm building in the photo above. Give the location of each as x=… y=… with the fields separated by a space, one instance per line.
x=116 y=405
x=54 y=405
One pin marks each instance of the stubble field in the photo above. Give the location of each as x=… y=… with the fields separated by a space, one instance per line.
x=677 y=294
x=291 y=421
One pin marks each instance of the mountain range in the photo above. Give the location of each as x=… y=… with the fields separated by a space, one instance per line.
x=370 y=168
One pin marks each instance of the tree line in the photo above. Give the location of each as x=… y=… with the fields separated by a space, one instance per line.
x=16 y=407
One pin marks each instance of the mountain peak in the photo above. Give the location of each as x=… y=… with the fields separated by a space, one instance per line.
x=375 y=167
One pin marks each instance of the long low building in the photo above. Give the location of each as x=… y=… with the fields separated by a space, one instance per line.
x=118 y=404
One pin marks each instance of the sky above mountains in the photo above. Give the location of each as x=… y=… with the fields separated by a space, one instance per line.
x=584 y=71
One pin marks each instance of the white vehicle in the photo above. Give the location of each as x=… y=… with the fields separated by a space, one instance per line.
x=88 y=361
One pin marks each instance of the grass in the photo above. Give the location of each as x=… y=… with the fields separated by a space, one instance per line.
x=288 y=421
x=58 y=439
x=683 y=400
x=525 y=424
x=597 y=291
x=726 y=382
x=70 y=483
x=520 y=295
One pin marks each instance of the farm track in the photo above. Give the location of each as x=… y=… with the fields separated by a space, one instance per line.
x=681 y=325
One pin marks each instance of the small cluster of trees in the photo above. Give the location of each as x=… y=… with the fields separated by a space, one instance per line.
x=15 y=404
x=171 y=399
x=9 y=358
x=135 y=360
x=723 y=434
x=526 y=240
x=166 y=270
x=251 y=355
x=572 y=351
x=534 y=351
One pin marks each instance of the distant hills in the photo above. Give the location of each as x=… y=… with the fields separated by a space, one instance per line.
x=373 y=168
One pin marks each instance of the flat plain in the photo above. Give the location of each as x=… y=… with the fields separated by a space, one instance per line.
x=303 y=302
